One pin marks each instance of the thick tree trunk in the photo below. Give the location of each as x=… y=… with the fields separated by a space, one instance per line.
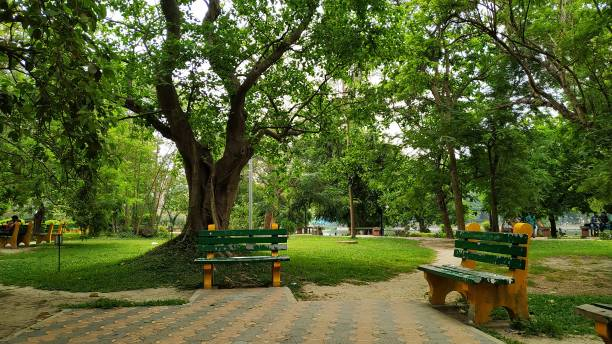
x=441 y=200
x=38 y=218
x=211 y=195
x=268 y=219
x=456 y=187
x=553 y=225
x=422 y=225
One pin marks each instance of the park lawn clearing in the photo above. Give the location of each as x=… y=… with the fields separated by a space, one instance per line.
x=324 y=261
x=100 y=264
x=109 y=264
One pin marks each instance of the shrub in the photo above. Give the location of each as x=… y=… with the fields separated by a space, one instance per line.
x=486 y=226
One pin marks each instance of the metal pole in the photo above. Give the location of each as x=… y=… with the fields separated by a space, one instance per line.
x=251 y=193
x=58 y=239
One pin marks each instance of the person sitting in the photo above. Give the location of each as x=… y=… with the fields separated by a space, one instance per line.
x=8 y=228
x=594 y=225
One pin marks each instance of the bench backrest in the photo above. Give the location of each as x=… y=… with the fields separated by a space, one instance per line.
x=509 y=249
x=242 y=240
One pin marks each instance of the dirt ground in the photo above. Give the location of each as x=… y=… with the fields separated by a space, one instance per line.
x=24 y=306
x=593 y=275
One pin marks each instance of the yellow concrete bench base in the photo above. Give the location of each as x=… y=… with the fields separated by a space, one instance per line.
x=49 y=236
x=485 y=291
x=15 y=238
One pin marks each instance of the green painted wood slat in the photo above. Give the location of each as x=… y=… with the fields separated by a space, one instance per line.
x=487 y=276
x=242 y=247
x=512 y=263
x=492 y=236
x=242 y=232
x=241 y=240
x=230 y=260
x=436 y=270
x=466 y=275
x=512 y=250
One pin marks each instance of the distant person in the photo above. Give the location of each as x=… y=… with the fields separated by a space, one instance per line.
x=603 y=220
x=8 y=229
x=594 y=224
x=530 y=219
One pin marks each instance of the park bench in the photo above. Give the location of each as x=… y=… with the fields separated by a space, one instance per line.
x=214 y=241
x=17 y=236
x=602 y=314
x=485 y=291
x=48 y=236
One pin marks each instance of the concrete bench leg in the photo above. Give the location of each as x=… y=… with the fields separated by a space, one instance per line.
x=276 y=281
x=208 y=276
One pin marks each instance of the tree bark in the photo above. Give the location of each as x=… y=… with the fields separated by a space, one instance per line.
x=494 y=220
x=352 y=212
x=441 y=200
x=38 y=218
x=455 y=186
x=553 y=225
x=422 y=225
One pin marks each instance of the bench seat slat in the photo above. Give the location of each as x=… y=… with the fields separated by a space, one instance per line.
x=242 y=240
x=466 y=275
x=511 y=238
x=512 y=263
x=229 y=260
x=512 y=250
x=242 y=232
x=598 y=312
x=242 y=247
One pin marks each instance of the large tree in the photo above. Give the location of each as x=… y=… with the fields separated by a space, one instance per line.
x=245 y=71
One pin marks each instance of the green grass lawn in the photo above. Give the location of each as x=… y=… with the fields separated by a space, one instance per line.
x=94 y=264
x=324 y=261
x=105 y=264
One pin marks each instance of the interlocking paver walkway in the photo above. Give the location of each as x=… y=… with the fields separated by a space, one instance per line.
x=266 y=315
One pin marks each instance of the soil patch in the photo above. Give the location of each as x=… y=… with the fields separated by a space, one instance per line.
x=24 y=306
x=589 y=276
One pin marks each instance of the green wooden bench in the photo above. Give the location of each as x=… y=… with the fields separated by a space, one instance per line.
x=601 y=313
x=242 y=240
x=485 y=291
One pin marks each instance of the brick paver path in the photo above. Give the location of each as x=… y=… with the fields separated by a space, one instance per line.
x=265 y=315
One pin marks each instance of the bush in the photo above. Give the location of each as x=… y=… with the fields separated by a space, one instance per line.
x=486 y=226
x=603 y=235
x=162 y=232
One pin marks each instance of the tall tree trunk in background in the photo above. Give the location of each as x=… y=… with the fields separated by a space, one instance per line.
x=38 y=218
x=493 y=161
x=422 y=225
x=353 y=230
x=441 y=201
x=456 y=187
x=553 y=225
x=268 y=219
